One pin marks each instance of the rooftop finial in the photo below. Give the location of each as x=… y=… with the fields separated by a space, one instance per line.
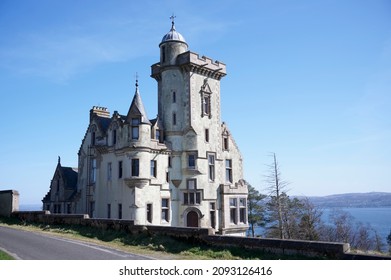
x=172 y=21
x=136 y=76
x=59 y=160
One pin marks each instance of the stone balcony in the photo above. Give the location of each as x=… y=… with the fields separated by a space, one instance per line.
x=136 y=182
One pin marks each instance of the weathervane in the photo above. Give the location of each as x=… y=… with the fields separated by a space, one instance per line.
x=172 y=19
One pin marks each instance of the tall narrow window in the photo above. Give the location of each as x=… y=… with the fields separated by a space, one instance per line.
x=169 y=161
x=69 y=208
x=120 y=169
x=109 y=171
x=135 y=128
x=192 y=161
x=207 y=135
x=135 y=167
x=114 y=140
x=173 y=97
x=149 y=212
x=225 y=142
x=92 y=209
x=233 y=210
x=211 y=163
x=165 y=210
x=108 y=211
x=119 y=210
x=163 y=53
x=242 y=210
x=212 y=209
x=174 y=118
x=153 y=168
x=206 y=105
x=228 y=170
x=93 y=171
x=93 y=137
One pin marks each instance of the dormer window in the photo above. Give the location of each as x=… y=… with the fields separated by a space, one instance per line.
x=135 y=128
x=158 y=135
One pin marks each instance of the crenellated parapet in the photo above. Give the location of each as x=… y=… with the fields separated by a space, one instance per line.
x=193 y=62
x=202 y=65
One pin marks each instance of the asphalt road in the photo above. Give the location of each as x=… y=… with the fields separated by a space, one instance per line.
x=28 y=245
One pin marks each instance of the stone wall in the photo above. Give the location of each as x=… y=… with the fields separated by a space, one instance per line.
x=9 y=202
x=329 y=250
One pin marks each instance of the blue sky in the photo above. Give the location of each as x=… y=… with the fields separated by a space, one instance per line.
x=307 y=80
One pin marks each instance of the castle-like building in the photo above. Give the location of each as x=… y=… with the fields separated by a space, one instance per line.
x=182 y=168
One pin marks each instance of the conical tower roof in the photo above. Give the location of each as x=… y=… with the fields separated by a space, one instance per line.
x=137 y=109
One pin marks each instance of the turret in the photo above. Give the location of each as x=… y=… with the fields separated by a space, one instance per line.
x=172 y=45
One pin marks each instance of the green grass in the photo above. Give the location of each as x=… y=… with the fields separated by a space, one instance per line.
x=5 y=256
x=145 y=243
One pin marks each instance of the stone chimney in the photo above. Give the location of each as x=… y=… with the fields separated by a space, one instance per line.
x=99 y=111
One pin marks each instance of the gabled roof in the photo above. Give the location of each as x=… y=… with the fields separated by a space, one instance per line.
x=157 y=122
x=69 y=175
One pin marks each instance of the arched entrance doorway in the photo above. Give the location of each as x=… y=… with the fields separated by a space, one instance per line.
x=192 y=219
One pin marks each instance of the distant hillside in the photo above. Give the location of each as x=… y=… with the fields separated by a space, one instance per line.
x=371 y=199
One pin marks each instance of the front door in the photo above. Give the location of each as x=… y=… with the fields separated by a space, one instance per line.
x=192 y=219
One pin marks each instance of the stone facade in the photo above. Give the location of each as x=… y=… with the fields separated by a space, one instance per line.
x=62 y=194
x=181 y=169
x=9 y=202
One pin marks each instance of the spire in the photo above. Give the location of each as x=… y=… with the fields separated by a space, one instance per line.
x=136 y=108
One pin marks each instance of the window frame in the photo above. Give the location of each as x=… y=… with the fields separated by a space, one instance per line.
x=135 y=167
x=109 y=171
x=165 y=210
x=135 y=122
x=192 y=195
x=119 y=210
x=242 y=210
x=149 y=212
x=233 y=210
x=211 y=167
x=120 y=169
x=192 y=161
x=153 y=168
x=228 y=171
